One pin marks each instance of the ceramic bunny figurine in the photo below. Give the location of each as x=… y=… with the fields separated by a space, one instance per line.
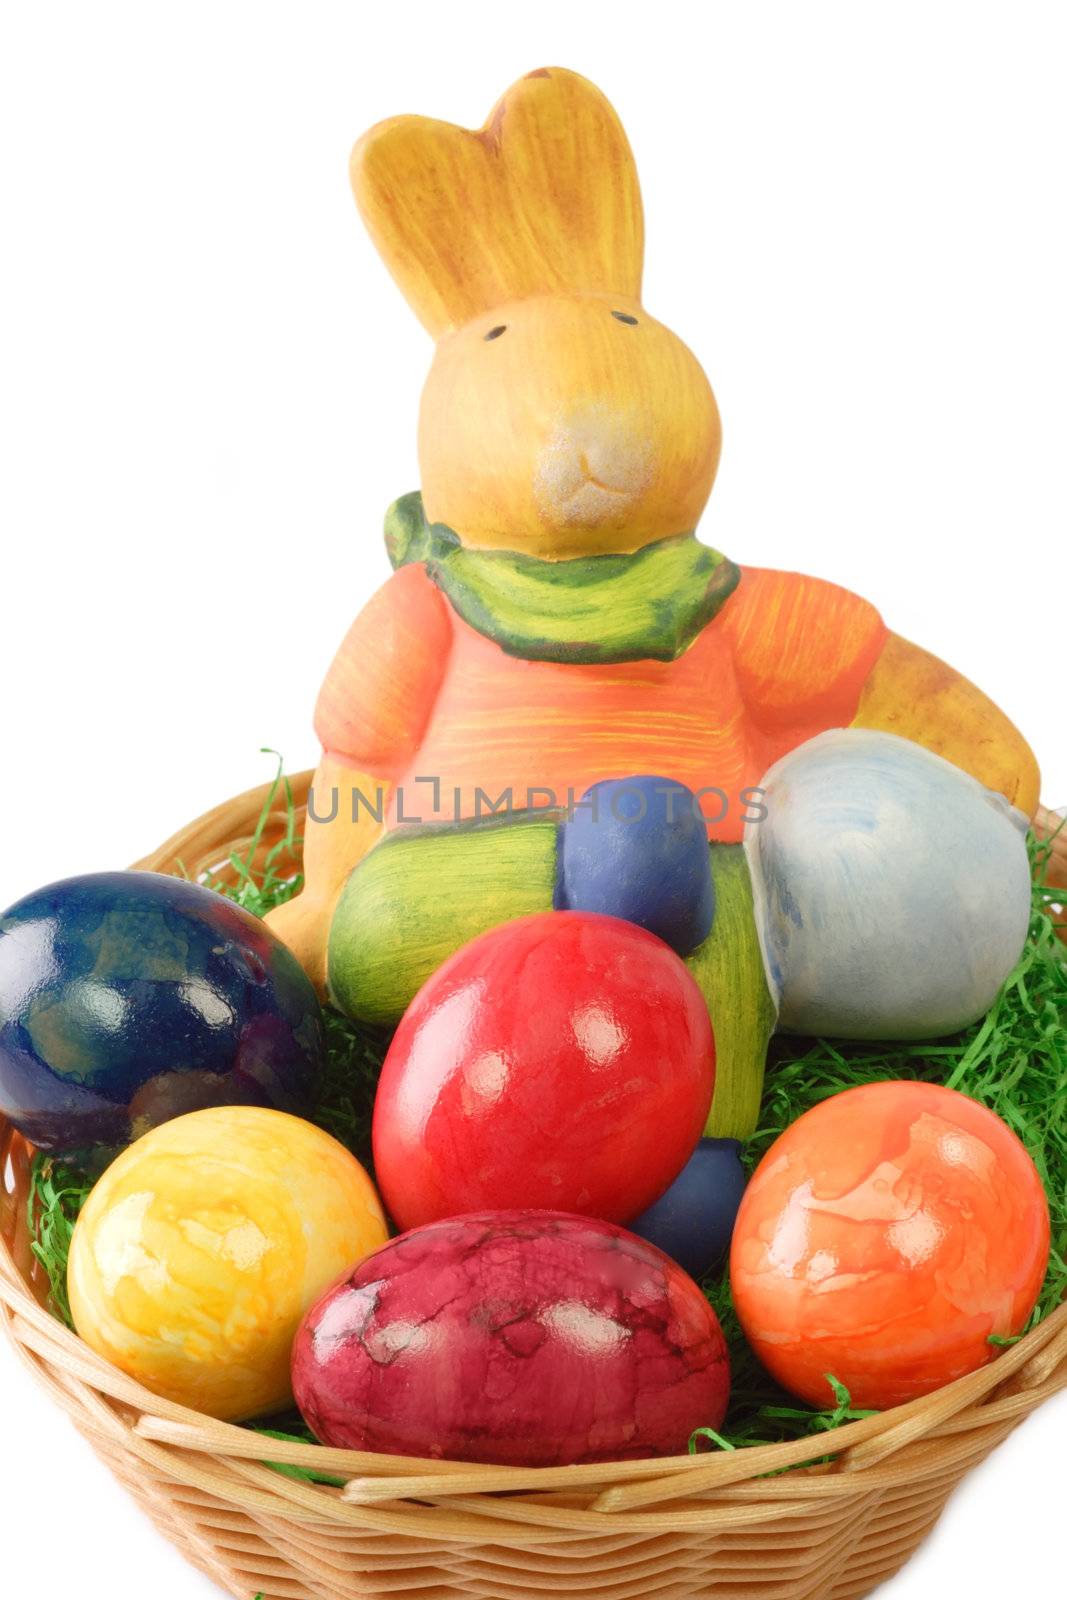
x=553 y=625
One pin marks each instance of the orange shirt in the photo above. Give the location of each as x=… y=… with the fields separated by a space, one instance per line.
x=415 y=692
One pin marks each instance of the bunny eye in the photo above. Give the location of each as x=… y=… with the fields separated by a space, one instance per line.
x=624 y=316
x=494 y=333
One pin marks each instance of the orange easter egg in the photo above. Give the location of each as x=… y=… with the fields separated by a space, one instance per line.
x=883 y=1239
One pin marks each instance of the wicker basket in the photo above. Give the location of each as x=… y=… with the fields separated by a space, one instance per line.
x=688 y=1526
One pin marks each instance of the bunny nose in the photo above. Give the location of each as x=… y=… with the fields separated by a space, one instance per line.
x=593 y=464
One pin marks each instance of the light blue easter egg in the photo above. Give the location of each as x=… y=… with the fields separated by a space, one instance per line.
x=892 y=889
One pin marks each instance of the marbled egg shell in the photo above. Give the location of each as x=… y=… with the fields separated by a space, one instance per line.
x=204 y=1244
x=564 y=1060
x=885 y=1238
x=127 y=998
x=530 y=1338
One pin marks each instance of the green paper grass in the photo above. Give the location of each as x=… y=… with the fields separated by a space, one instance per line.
x=262 y=885
x=301 y=1474
x=56 y=1195
x=354 y=1057
x=1014 y=1061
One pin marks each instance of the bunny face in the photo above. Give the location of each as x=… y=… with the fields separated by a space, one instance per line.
x=566 y=425
x=559 y=418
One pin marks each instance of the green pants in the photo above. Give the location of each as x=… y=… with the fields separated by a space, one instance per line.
x=422 y=893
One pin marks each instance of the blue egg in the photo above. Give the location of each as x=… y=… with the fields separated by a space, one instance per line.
x=128 y=998
x=637 y=848
x=693 y=1222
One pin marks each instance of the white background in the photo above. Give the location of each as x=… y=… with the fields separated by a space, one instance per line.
x=208 y=390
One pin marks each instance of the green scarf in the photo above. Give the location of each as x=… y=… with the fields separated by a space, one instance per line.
x=647 y=606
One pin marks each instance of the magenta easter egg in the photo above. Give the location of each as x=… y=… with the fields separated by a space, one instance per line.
x=522 y=1338
x=564 y=1060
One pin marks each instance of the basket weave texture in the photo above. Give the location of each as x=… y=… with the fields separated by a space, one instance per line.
x=707 y=1525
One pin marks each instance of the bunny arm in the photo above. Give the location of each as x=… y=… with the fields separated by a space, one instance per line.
x=809 y=654
x=371 y=714
x=802 y=650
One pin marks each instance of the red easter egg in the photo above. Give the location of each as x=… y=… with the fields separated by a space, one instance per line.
x=883 y=1239
x=561 y=1061
x=525 y=1338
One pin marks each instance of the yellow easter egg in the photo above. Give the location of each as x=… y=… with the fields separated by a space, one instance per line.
x=204 y=1243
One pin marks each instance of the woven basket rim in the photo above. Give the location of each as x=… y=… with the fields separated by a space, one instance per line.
x=995 y=1397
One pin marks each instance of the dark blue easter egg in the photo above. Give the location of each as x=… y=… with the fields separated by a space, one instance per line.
x=637 y=848
x=128 y=998
x=693 y=1222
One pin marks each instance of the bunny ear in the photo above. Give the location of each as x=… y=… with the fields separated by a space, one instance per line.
x=544 y=197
